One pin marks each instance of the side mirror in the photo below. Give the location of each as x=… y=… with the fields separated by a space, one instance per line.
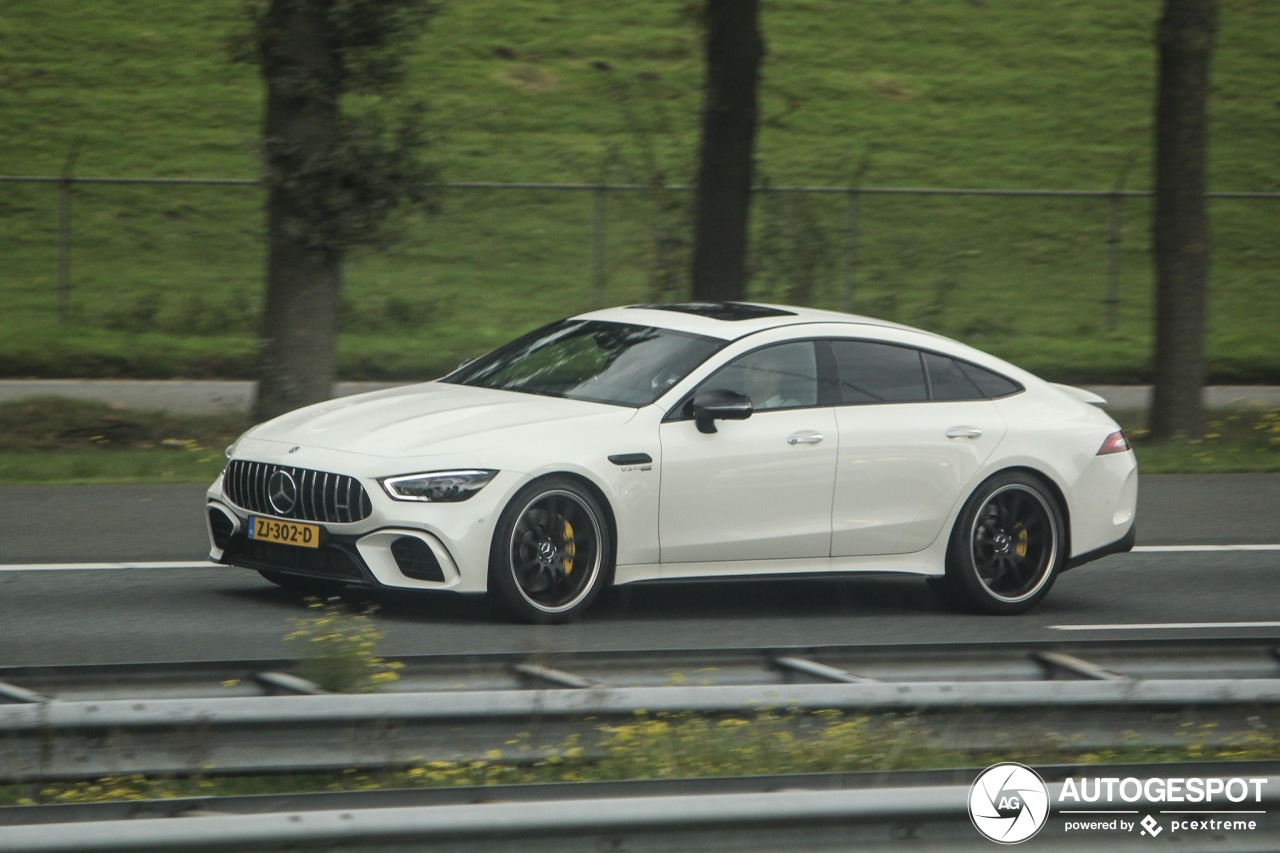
x=718 y=404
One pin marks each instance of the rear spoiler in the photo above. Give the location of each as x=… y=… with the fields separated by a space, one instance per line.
x=1080 y=394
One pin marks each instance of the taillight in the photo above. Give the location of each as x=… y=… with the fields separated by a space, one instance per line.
x=1114 y=443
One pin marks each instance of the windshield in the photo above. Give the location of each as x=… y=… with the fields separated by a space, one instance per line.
x=614 y=363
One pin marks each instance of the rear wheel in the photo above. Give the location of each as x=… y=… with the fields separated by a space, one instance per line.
x=1007 y=547
x=551 y=552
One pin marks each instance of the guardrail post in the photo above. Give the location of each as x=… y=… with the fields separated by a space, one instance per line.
x=850 y=248
x=1112 y=301
x=598 y=276
x=852 y=200
x=64 y=232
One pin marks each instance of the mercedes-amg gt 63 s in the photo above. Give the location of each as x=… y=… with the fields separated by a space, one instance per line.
x=664 y=442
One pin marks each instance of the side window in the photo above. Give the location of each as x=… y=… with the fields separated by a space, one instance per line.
x=878 y=373
x=993 y=385
x=784 y=376
x=948 y=381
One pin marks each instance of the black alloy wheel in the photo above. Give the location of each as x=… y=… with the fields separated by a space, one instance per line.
x=1007 y=548
x=551 y=552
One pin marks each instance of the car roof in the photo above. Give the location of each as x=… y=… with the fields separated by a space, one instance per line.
x=728 y=320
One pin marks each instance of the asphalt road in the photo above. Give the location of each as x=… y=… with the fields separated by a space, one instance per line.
x=68 y=595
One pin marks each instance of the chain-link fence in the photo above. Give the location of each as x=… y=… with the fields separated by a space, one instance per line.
x=186 y=255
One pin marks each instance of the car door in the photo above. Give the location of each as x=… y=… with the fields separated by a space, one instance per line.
x=914 y=430
x=758 y=488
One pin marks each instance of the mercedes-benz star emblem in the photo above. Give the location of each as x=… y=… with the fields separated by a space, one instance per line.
x=282 y=492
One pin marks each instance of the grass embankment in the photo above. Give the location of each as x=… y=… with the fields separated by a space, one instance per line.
x=166 y=281
x=54 y=440
x=1239 y=441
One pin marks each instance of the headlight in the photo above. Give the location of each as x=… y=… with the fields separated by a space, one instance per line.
x=437 y=486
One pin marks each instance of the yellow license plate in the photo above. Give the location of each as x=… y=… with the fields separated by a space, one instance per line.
x=284 y=532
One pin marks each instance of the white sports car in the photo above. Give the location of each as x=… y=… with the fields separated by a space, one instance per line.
x=660 y=442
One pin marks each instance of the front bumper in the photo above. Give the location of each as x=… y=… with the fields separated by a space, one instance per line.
x=378 y=557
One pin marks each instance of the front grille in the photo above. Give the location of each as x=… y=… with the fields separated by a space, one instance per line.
x=314 y=496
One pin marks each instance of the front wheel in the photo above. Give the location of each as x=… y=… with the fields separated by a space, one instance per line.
x=1007 y=547
x=551 y=552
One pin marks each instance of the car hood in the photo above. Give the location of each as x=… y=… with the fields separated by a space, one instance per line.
x=434 y=418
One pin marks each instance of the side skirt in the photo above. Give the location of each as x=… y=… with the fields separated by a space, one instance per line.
x=922 y=564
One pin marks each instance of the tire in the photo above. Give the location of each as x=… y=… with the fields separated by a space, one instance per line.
x=552 y=552
x=1007 y=547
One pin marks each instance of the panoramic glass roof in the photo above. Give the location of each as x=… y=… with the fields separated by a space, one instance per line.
x=721 y=310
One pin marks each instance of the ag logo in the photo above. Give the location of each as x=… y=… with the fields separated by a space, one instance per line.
x=1008 y=803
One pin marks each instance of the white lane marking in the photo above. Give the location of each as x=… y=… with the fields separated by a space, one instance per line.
x=1156 y=626
x=102 y=567
x=1191 y=549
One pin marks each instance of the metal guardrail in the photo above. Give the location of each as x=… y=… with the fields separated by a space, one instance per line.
x=825 y=820
x=422 y=797
x=774 y=813
x=1001 y=706
x=950 y=662
x=77 y=740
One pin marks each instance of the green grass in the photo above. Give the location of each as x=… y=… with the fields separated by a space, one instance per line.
x=91 y=466
x=688 y=746
x=1237 y=441
x=167 y=280
x=53 y=440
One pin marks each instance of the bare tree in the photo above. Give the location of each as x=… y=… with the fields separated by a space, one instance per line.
x=1180 y=231
x=334 y=174
x=735 y=50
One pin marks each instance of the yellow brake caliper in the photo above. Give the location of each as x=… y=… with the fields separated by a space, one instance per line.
x=1021 y=547
x=570 y=548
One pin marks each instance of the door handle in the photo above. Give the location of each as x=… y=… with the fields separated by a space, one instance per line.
x=806 y=437
x=964 y=432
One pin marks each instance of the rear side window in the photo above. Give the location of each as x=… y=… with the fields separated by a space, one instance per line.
x=871 y=372
x=993 y=385
x=948 y=381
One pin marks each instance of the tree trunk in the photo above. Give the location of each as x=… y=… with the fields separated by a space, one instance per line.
x=296 y=360
x=304 y=275
x=734 y=52
x=1180 y=233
